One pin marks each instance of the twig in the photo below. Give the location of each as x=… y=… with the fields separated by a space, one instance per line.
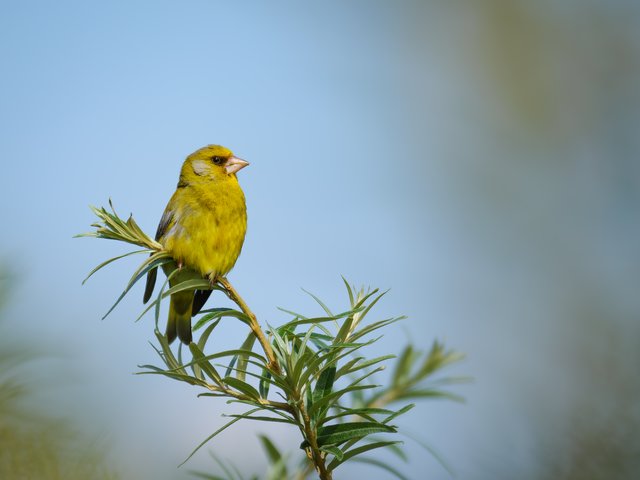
x=315 y=455
x=235 y=297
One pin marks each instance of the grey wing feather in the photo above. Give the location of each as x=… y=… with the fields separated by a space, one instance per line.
x=164 y=223
x=200 y=297
x=167 y=216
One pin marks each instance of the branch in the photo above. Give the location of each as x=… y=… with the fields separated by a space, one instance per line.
x=235 y=297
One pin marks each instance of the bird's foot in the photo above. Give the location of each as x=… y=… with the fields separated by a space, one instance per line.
x=214 y=279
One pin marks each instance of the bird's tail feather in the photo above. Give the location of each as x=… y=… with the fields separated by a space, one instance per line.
x=179 y=320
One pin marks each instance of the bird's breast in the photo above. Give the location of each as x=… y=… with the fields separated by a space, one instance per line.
x=209 y=230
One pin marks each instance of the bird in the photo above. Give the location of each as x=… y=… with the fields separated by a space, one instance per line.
x=203 y=229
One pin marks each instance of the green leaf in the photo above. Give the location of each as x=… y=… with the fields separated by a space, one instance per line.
x=374 y=326
x=156 y=303
x=294 y=314
x=347 y=366
x=308 y=399
x=403 y=366
x=353 y=366
x=345 y=330
x=322 y=404
x=359 y=450
x=152 y=262
x=201 y=361
x=180 y=355
x=349 y=290
x=382 y=465
x=342 y=432
x=278 y=468
x=242 y=357
x=202 y=341
x=394 y=449
x=235 y=475
x=362 y=297
x=230 y=366
x=242 y=387
x=301 y=355
x=282 y=351
x=228 y=353
x=325 y=402
x=314 y=320
x=329 y=358
x=321 y=341
x=324 y=383
x=396 y=414
x=216 y=395
x=221 y=429
x=262 y=418
x=272 y=452
x=107 y=262
x=371 y=305
x=263 y=406
x=167 y=354
x=365 y=412
x=324 y=307
x=278 y=471
x=437 y=359
x=439 y=458
x=251 y=374
x=193 y=284
x=333 y=450
x=427 y=393
x=113 y=227
x=311 y=369
x=221 y=313
x=264 y=384
x=216 y=309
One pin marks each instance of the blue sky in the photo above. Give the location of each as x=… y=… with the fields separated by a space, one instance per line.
x=382 y=148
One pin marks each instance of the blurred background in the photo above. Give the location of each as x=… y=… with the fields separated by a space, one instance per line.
x=480 y=158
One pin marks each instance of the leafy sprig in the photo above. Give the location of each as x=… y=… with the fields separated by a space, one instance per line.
x=310 y=372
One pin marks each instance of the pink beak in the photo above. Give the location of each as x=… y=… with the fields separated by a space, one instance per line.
x=235 y=164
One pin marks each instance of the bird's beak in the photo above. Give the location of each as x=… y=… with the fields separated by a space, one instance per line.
x=235 y=164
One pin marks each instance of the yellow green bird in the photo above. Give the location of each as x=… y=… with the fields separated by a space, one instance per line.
x=203 y=229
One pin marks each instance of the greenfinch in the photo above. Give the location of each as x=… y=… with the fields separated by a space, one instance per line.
x=203 y=229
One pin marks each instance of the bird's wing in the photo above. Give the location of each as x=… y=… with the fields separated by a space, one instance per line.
x=167 y=216
x=199 y=299
x=165 y=221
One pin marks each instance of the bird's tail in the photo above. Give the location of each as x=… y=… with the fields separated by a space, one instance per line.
x=179 y=321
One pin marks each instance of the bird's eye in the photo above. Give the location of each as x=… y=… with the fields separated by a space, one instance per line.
x=217 y=160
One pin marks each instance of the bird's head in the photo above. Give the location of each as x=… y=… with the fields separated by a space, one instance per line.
x=213 y=162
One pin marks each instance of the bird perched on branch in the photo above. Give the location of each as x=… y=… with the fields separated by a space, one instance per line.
x=203 y=229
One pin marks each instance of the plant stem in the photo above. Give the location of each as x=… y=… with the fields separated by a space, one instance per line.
x=313 y=451
x=235 y=297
